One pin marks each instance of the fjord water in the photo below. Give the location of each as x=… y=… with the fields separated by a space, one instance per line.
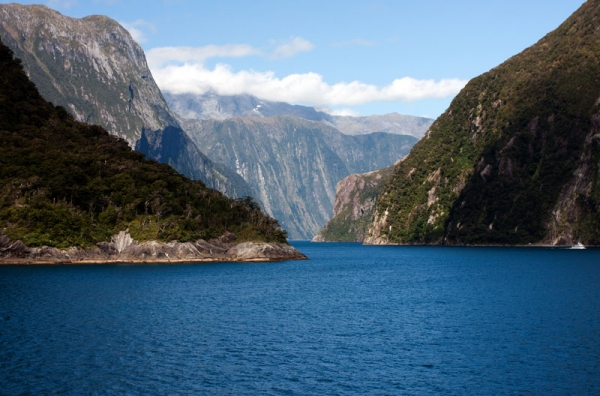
x=352 y=320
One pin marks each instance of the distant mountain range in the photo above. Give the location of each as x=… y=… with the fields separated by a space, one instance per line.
x=217 y=107
x=294 y=164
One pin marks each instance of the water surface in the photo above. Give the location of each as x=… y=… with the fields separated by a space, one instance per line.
x=352 y=320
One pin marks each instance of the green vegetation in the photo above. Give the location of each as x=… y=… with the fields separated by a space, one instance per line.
x=494 y=164
x=65 y=183
x=352 y=221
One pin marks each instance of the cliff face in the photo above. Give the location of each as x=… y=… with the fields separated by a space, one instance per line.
x=514 y=160
x=355 y=199
x=174 y=147
x=94 y=69
x=90 y=66
x=295 y=164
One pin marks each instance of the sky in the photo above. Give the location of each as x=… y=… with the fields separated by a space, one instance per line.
x=351 y=57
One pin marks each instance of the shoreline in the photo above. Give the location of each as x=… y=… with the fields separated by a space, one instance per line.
x=10 y=262
x=122 y=249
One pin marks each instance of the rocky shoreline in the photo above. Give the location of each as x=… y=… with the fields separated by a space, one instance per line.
x=122 y=249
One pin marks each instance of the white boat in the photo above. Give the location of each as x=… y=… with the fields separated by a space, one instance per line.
x=578 y=245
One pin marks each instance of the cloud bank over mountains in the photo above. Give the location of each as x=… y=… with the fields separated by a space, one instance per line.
x=183 y=70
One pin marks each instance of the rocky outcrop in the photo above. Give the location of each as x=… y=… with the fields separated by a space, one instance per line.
x=294 y=164
x=123 y=249
x=355 y=200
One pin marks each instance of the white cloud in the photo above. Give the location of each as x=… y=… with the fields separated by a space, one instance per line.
x=159 y=57
x=136 y=29
x=308 y=88
x=344 y=112
x=291 y=48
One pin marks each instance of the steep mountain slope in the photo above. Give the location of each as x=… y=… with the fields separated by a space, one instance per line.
x=174 y=147
x=90 y=66
x=514 y=160
x=94 y=69
x=218 y=107
x=294 y=164
x=65 y=183
x=355 y=199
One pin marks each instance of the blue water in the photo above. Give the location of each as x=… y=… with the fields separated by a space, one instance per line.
x=353 y=320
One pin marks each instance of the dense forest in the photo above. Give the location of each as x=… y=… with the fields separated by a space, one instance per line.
x=514 y=160
x=65 y=183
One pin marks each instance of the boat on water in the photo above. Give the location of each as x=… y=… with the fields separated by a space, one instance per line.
x=578 y=245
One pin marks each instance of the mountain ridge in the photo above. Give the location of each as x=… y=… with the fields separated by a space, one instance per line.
x=220 y=107
x=514 y=159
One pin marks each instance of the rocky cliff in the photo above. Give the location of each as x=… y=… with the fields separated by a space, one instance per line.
x=355 y=199
x=173 y=146
x=514 y=159
x=93 y=68
x=294 y=164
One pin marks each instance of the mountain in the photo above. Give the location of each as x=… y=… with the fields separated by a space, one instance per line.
x=391 y=123
x=212 y=106
x=294 y=164
x=355 y=198
x=90 y=66
x=515 y=158
x=174 y=147
x=64 y=183
x=218 y=107
x=93 y=68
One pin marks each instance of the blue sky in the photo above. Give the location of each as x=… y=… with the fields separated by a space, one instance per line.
x=353 y=57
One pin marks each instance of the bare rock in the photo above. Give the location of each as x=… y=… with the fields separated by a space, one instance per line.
x=123 y=248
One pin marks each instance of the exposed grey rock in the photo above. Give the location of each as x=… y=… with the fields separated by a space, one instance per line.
x=294 y=164
x=123 y=248
x=91 y=66
x=122 y=241
x=355 y=199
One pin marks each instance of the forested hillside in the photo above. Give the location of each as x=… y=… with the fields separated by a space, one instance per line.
x=514 y=159
x=65 y=183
